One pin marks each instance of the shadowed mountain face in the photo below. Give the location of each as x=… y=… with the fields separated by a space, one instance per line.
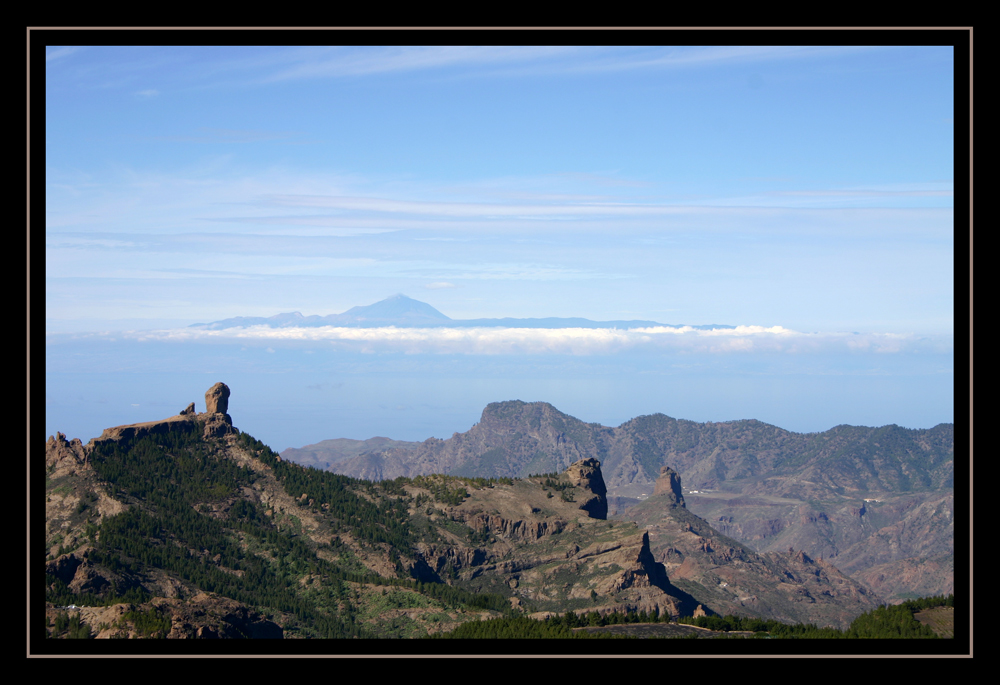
x=517 y=438
x=851 y=495
x=732 y=578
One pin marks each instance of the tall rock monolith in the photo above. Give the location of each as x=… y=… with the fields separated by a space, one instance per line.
x=217 y=399
x=586 y=474
x=669 y=484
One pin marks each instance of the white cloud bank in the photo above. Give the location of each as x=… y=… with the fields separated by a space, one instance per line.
x=573 y=341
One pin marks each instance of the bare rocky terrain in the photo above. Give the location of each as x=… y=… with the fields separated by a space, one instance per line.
x=856 y=497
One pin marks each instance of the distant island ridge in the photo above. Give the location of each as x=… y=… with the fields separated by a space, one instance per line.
x=404 y=312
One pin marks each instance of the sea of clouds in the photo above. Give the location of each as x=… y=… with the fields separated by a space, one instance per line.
x=573 y=341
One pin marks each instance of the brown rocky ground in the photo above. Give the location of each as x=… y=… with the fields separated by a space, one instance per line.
x=772 y=489
x=551 y=552
x=729 y=577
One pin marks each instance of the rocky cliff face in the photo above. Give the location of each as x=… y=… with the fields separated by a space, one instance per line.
x=74 y=496
x=668 y=487
x=586 y=475
x=764 y=486
x=556 y=553
x=215 y=421
x=519 y=438
x=512 y=439
x=728 y=577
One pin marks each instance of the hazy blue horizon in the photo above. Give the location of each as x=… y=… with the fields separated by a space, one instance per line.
x=802 y=194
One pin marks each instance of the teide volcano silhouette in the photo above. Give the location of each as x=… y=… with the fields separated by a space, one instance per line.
x=402 y=311
x=398 y=310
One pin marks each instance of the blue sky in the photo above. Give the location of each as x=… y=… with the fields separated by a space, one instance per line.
x=805 y=193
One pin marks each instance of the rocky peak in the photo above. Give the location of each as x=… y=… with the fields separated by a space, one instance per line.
x=586 y=474
x=215 y=420
x=518 y=411
x=669 y=485
x=217 y=399
x=63 y=454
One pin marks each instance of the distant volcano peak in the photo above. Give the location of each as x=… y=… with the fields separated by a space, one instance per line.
x=398 y=306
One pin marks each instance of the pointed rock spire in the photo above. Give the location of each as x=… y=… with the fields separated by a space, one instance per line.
x=669 y=484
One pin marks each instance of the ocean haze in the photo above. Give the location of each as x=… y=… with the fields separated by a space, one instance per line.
x=711 y=233
x=294 y=397
x=396 y=369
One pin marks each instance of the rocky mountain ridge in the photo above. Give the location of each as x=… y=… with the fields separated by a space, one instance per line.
x=188 y=518
x=853 y=494
x=489 y=538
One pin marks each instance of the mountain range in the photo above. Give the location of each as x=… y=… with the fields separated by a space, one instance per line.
x=404 y=312
x=876 y=502
x=186 y=527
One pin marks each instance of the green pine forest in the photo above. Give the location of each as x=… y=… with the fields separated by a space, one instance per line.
x=885 y=622
x=173 y=479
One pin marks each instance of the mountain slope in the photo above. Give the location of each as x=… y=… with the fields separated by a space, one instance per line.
x=849 y=495
x=732 y=578
x=199 y=530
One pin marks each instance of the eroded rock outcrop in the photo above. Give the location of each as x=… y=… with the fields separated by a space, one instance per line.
x=514 y=529
x=64 y=456
x=217 y=399
x=586 y=474
x=669 y=486
x=215 y=421
x=82 y=576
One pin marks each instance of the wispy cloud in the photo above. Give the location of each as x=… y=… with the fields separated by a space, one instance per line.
x=313 y=63
x=223 y=135
x=217 y=190
x=58 y=53
x=562 y=209
x=341 y=62
x=201 y=67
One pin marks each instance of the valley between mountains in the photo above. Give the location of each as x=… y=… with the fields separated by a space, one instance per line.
x=186 y=527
